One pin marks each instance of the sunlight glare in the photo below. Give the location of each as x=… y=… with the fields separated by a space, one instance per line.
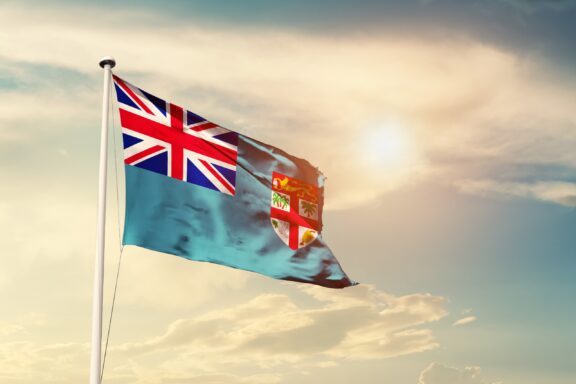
x=386 y=145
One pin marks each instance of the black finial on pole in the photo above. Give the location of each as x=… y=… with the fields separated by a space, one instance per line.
x=107 y=60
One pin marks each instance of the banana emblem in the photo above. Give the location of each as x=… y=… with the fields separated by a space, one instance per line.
x=308 y=236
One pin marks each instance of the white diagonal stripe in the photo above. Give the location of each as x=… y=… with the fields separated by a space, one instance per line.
x=209 y=175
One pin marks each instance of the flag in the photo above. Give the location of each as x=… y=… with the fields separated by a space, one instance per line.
x=197 y=190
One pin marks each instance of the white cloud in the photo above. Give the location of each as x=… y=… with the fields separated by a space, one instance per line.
x=557 y=192
x=142 y=375
x=43 y=100
x=440 y=374
x=155 y=281
x=27 y=362
x=530 y=6
x=272 y=334
x=19 y=325
x=460 y=115
x=10 y=329
x=465 y=320
x=272 y=330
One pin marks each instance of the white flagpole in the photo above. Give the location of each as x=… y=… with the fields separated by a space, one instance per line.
x=107 y=63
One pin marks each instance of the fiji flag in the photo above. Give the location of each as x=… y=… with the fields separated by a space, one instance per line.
x=200 y=191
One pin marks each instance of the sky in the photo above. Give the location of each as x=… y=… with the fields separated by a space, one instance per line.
x=446 y=130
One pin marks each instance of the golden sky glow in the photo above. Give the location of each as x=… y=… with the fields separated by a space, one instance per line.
x=441 y=143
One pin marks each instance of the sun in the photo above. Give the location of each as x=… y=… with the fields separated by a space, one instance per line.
x=386 y=145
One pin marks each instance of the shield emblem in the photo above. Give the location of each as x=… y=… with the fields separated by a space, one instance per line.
x=294 y=210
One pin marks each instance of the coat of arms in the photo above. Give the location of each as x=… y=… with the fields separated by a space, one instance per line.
x=294 y=210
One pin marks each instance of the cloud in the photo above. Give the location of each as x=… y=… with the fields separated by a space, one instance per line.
x=327 y=99
x=273 y=334
x=155 y=281
x=27 y=362
x=38 y=101
x=10 y=329
x=465 y=320
x=141 y=375
x=440 y=374
x=273 y=330
x=274 y=324
x=530 y=6
x=557 y=192
x=20 y=324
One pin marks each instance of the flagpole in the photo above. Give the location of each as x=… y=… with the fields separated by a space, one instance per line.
x=107 y=63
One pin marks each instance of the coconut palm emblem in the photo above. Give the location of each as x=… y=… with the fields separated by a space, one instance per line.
x=294 y=210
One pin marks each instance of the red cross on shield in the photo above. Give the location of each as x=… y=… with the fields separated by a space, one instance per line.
x=294 y=211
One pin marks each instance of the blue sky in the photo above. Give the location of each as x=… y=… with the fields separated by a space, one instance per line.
x=446 y=130
x=512 y=259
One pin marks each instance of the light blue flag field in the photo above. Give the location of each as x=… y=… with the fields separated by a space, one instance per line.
x=200 y=191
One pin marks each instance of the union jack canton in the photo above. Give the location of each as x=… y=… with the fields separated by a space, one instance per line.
x=164 y=138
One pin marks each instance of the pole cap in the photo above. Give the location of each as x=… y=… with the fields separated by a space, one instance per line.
x=107 y=60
